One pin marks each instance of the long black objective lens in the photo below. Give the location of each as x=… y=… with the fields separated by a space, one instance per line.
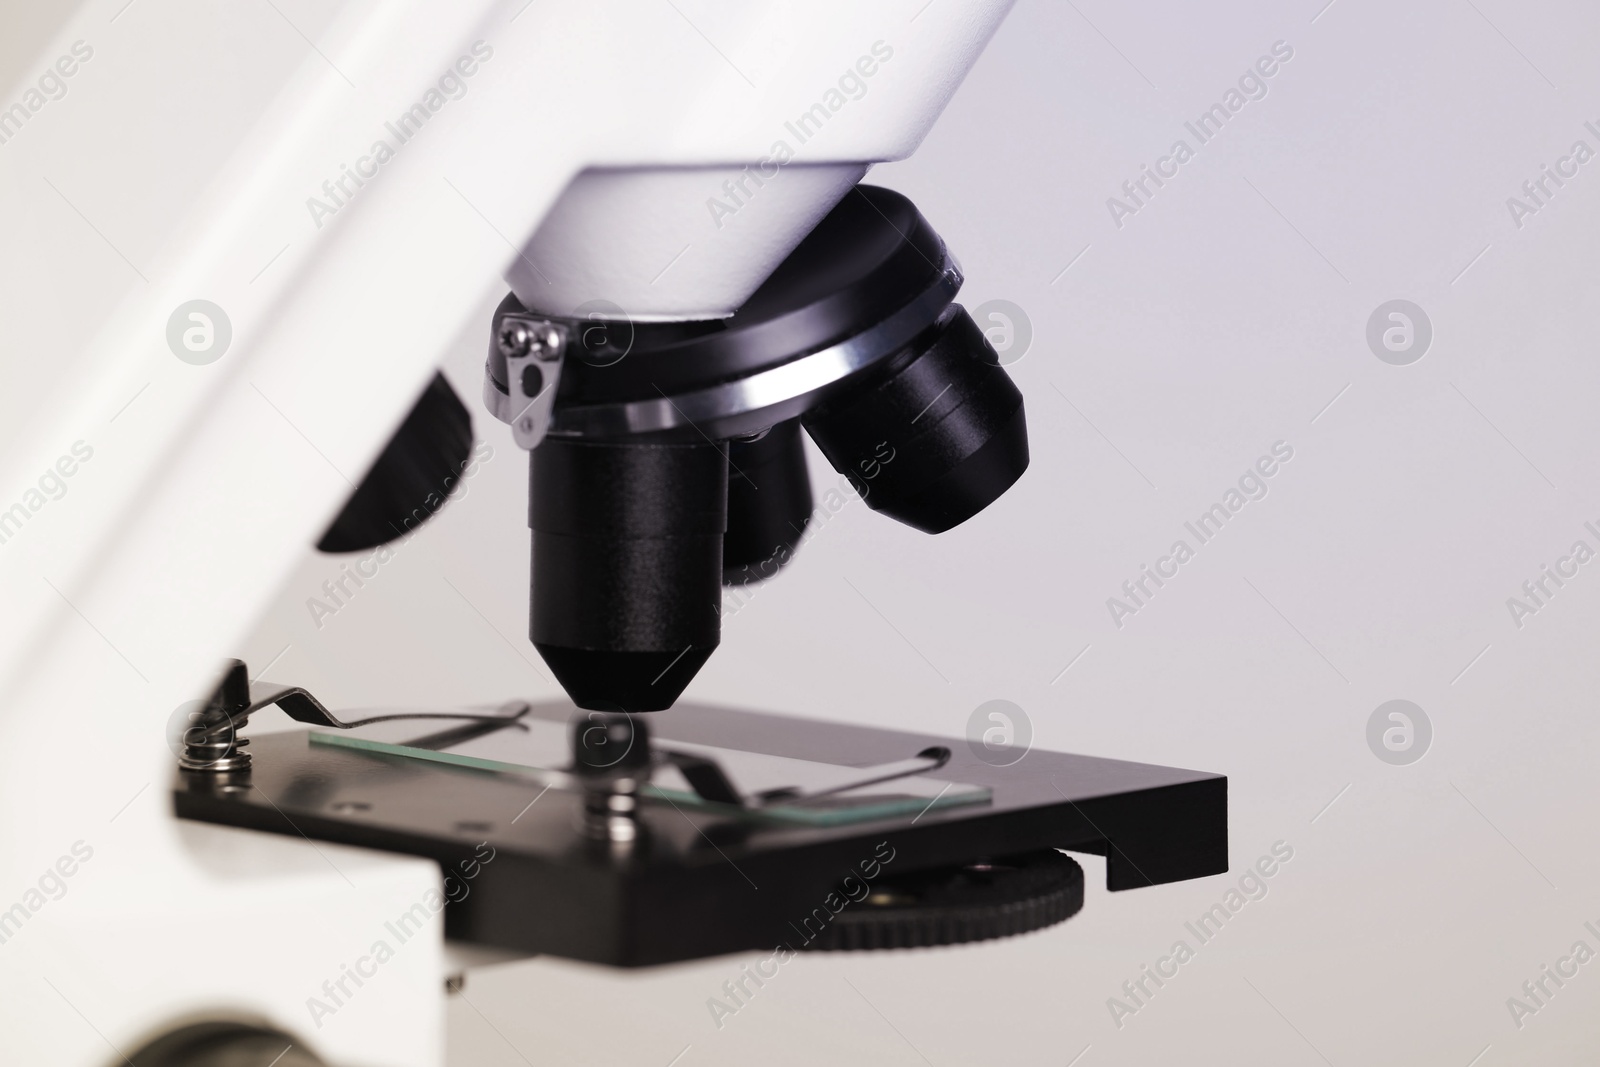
x=627 y=566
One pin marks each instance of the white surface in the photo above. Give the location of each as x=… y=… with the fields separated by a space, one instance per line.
x=621 y=236
x=1194 y=337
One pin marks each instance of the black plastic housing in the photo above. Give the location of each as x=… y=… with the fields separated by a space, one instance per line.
x=686 y=892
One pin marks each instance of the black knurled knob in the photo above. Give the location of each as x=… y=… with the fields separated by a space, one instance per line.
x=976 y=901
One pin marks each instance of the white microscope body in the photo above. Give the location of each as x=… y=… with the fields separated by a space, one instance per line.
x=344 y=190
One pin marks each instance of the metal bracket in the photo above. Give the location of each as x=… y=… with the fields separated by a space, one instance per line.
x=213 y=742
x=709 y=782
x=533 y=348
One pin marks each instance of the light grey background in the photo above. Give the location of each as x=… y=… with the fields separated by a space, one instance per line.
x=1223 y=317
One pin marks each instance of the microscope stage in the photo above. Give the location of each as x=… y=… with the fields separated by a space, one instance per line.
x=701 y=879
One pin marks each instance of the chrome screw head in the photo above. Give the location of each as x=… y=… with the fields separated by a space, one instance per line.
x=519 y=338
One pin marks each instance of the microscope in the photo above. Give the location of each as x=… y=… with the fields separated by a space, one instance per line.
x=699 y=281
x=666 y=459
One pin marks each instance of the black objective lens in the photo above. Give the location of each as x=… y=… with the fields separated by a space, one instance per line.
x=627 y=566
x=769 y=504
x=934 y=437
x=411 y=478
